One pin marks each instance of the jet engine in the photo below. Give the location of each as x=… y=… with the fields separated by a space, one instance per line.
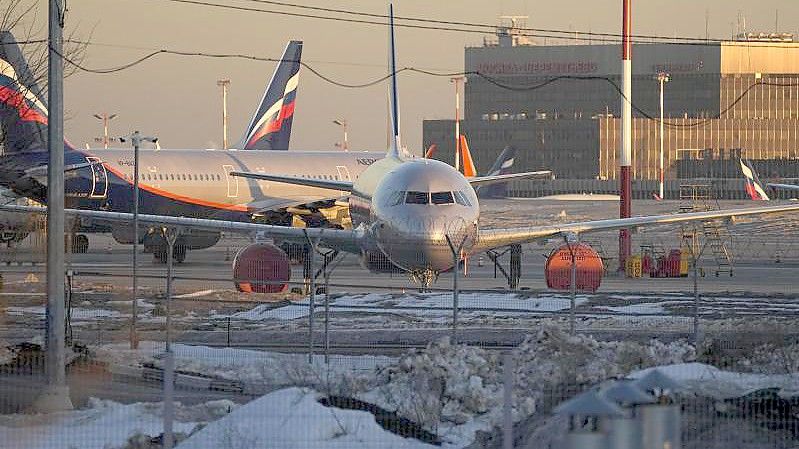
x=261 y=268
x=589 y=268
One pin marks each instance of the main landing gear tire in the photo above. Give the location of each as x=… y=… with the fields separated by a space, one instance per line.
x=80 y=244
x=178 y=254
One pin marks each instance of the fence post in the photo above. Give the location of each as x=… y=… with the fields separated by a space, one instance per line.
x=507 y=397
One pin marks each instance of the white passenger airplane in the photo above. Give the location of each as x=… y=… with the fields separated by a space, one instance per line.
x=420 y=214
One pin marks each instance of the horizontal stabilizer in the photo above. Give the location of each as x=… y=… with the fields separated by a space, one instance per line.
x=309 y=182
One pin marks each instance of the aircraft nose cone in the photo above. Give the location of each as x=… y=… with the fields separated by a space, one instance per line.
x=421 y=242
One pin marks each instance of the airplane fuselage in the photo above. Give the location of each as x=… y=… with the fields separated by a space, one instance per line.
x=410 y=208
x=192 y=183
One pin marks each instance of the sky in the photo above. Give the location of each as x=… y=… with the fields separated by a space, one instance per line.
x=176 y=98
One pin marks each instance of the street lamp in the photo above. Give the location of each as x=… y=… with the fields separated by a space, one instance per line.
x=343 y=123
x=224 y=83
x=136 y=139
x=105 y=118
x=662 y=79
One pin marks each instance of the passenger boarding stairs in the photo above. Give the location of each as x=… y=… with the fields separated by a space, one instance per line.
x=699 y=198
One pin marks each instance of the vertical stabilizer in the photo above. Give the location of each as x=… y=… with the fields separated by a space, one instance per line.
x=754 y=188
x=469 y=169
x=270 y=126
x=23 y=113
x=395 y=144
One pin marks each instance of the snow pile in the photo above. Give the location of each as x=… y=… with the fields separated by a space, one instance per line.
x=456 y=390
x=293 y=418
x=707 y=380
x=272 y=369
x=105 y=424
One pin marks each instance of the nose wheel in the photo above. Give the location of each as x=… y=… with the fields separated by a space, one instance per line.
x=424 y=278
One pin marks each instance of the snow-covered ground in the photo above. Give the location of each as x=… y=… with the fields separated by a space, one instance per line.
x=271 y=369
x=103 y=425
x=293 y=419
x=436 y=306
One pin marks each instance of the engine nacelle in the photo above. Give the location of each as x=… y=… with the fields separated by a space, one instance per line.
x=377 y=262
x=588 y=273
x=261 y=268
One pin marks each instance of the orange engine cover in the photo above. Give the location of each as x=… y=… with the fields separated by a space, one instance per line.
x=589 y=268
x=261 y=268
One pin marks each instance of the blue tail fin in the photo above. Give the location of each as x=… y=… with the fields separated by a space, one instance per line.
x=270 y=127
x=502 y=166
x=23 y=114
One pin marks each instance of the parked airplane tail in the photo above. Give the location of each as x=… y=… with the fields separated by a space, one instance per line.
x=270 y=127
x=23 y=114
x=466 y=159
x=502 y=166
x=754 y=187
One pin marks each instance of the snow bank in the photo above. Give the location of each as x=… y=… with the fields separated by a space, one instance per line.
x=425 y=305
x=707 y=380
x=272 y=369
x=292 y=418
x=105 y=424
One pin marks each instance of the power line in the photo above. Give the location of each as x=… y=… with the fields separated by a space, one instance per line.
x=490 y=79
x=450 y=25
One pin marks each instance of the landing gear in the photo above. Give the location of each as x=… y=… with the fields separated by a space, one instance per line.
x=424 y=278
x=178 y=254
x=80 y=243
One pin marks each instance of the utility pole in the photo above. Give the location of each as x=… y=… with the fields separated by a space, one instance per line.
x=105 y=118
x=224 y=83
x=55 y=396
x=136 y=139
x=343 y=123
x=458 y=80
x=662 y=78
x=626 y=154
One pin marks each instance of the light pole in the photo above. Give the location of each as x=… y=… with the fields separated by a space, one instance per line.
x=458 y=80
x=136 y=139
x=105 y=118
x=662 y=79
x=224 y=83
x=343 y=123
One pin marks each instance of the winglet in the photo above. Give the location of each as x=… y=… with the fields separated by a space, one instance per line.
x=395 y=144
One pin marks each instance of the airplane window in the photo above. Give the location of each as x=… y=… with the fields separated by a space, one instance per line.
x=395 y=198
x=441 y=198
x=417 y=198
x=194 y=176
x=218 y=178
x=160 y=177
x=171 y=177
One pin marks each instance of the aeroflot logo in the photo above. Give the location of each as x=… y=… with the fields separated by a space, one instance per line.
x=366 y=160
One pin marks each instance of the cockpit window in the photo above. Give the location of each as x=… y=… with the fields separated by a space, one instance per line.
x=441 y=198
x=396 y=198
x=417 y=198
x=462 y=199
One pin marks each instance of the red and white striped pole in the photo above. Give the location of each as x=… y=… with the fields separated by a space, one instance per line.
x=625 y=161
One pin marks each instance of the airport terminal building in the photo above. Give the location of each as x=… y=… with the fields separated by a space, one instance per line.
x=559 y=106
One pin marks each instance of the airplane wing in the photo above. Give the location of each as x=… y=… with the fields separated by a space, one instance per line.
x=310 y=182
x=793 y=187
x=494 y=238
x=485 y=180
x=341 y=239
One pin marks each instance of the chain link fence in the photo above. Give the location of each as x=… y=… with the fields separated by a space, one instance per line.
x=360 y=359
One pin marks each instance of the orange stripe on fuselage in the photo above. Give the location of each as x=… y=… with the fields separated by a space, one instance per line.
x=175 y=196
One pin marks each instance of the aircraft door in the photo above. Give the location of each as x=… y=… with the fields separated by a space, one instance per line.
x=343 y=173
x=99 y=187
x=232 y=182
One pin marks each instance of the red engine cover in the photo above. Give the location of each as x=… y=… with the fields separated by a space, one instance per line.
x=261 y=268
x=589 y=268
